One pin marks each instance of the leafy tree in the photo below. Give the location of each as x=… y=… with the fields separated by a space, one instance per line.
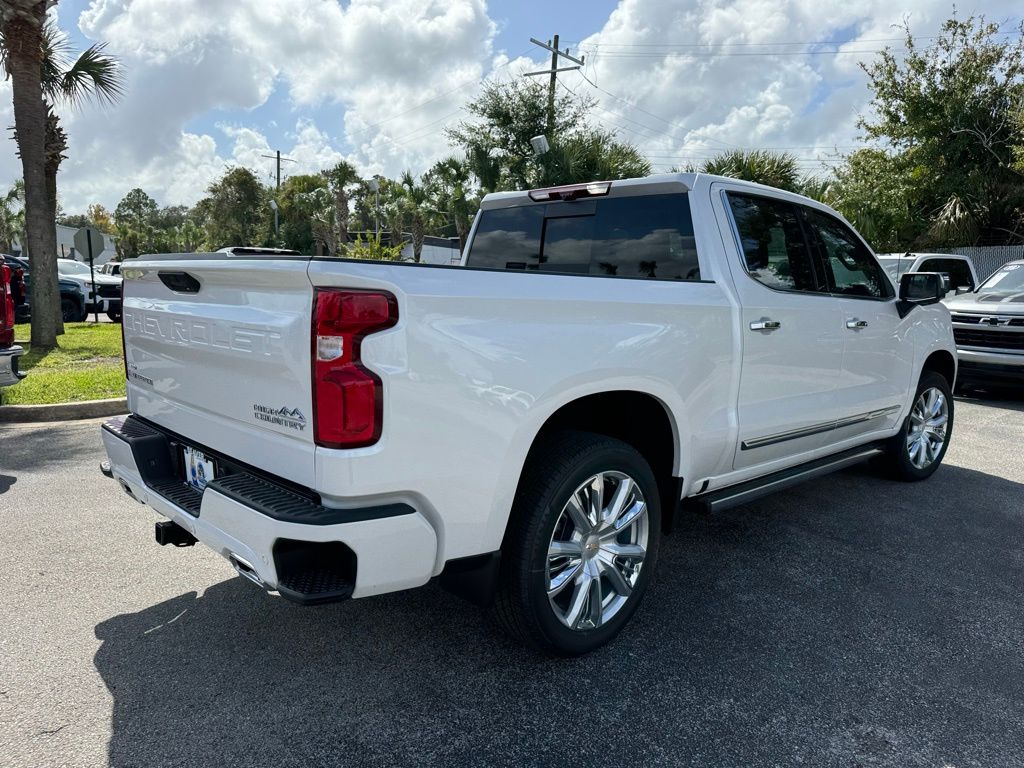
x=317 y=206
x=76 y=220
x=946 y=115
x=21 y=48
x=497 y=144
x=775 y=169
x=875 y=191
x=296 y=227
x=134 y=219
x=238 y=210
x=448 y=185
x=100 y=218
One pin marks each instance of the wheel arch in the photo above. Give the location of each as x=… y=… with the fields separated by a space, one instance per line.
x=635 y=417
x=942 y=362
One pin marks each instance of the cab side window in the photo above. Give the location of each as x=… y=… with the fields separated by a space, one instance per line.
x=850 y=269
x=775 y=251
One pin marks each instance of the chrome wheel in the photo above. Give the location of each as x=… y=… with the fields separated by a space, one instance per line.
x=927 y=433
x=596 y=550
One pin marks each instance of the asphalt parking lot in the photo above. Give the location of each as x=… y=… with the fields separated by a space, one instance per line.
x=849 y=622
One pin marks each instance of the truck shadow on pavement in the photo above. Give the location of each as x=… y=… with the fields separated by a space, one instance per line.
x=849 y=621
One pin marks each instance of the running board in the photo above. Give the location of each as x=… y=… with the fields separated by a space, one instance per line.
x=734 y=495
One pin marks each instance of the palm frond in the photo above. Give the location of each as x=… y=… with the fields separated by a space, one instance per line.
x=96 y=75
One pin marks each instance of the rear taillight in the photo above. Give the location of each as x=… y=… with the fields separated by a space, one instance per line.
x=6 y=308
x=348 y=399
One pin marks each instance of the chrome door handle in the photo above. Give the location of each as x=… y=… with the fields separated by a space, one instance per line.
x=765 y=325
x=856 y=325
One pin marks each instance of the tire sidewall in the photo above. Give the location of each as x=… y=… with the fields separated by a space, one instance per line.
x=905 y=467
x=611 y=458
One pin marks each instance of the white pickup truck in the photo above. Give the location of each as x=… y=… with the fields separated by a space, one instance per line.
x=523 y=425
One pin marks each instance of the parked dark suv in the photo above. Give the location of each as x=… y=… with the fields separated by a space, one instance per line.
x=72 y=299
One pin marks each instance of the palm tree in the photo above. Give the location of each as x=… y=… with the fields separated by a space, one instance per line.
x=448 y=180
x=12 y=217
x=341 y=178
x=93 y=75
x=415 y=201
x=775 y=169
x=21 y=47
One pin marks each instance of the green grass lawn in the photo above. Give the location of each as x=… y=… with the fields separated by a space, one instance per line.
x=86 y=366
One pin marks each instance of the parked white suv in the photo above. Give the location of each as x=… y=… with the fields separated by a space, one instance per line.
x=523 y=426
x=107 y=296
x=957 y=270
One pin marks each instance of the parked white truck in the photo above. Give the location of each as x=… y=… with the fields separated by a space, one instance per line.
x=525 y=425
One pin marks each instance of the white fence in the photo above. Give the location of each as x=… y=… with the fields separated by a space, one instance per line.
x=988 y=258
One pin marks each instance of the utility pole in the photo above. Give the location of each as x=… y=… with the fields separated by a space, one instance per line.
x=552 y=46
x=277 y=156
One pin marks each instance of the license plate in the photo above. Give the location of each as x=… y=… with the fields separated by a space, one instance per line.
x=198 y=468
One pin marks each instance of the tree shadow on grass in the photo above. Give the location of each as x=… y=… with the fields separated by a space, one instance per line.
x=849 y=621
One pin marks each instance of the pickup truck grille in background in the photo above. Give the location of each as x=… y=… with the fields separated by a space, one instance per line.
x=976 y=319
x=975 y=337
x=109 y=291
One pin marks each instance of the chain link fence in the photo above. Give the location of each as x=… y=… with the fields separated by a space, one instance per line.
x=988 y=258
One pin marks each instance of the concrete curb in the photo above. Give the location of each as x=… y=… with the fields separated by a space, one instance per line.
x=90 y=409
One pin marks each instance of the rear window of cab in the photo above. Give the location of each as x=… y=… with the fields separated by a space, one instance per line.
x=647 y=236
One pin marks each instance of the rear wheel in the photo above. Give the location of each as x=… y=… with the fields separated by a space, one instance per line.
x=918 y=448
x=582 y=544
x=114 y=317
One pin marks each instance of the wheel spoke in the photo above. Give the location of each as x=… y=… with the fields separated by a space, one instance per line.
x=581 y=590
x=617 y=580
x=618 y=503
x=595 y=603
x=564 y=579
x=596 y=509
x=630 y=516
x=578 y=514
x=565 y=549
x=632 y=551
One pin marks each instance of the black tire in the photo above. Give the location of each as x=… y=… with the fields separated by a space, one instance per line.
x=555 y=471
x=898 y=459
x=114 y=317
x=71 y=311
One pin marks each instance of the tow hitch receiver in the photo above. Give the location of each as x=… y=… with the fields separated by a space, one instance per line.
x=169 y=532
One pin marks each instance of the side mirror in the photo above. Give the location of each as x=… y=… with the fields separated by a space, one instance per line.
x=918 y=289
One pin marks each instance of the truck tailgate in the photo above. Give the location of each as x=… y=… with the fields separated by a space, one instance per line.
x=218 y=350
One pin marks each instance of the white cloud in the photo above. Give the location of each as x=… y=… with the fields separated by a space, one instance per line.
x=384 y=77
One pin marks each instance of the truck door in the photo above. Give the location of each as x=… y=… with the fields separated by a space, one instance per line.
x=877 y=362
x=791 y=329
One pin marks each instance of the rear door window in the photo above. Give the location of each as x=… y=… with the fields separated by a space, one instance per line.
x=649 y=236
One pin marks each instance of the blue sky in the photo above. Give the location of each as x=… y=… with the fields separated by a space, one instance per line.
x=214 y=83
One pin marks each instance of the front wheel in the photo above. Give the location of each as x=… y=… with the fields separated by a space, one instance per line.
x=917 y=450
x=582 y=544
x=71 y=311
